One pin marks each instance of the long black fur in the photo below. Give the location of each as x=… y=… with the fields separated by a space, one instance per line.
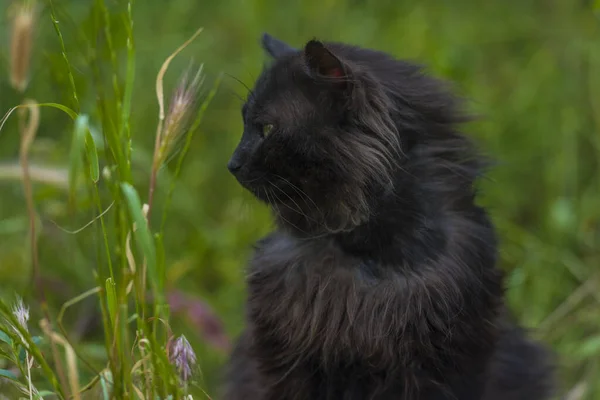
x=380 y=281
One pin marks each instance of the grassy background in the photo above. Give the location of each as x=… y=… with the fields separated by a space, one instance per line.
x=530 y=68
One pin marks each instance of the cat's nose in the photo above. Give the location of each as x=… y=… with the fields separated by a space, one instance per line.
x=234 y=166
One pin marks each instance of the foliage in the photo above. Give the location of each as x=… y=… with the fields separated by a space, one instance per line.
x=529 y=68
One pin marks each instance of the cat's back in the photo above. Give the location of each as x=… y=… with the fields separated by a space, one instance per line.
x=378 y=62
x=407 y=84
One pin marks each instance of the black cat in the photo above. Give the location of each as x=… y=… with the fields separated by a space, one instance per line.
x=380 y=281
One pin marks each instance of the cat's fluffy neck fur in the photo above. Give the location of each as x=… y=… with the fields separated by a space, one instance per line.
x=396 y=224
x=410 y=216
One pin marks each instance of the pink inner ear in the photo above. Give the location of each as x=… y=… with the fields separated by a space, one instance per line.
x=336 y=72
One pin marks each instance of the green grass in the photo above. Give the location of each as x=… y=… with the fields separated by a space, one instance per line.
x=530 y=69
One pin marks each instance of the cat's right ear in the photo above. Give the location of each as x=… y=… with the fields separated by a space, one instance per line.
x=323 y=63
x=275 y=47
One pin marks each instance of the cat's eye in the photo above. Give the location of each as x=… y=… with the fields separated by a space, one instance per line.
x=267 y=129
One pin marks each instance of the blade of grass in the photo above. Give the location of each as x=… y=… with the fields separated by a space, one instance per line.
x=104 y=233
x=111 y=300
x=75 y=155
x=111 y=50
x=8 y=375
x=143 y=237
x=106 y=386
x=60 y=316
x=5 y=338
x=124 y=347
x=91 y=383
x=92 y=156
x=129 y=80
x=78 y=230
x=67 y=110
x=106 y=325
x=64 y=54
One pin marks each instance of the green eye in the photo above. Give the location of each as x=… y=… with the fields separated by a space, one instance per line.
x=267 y=129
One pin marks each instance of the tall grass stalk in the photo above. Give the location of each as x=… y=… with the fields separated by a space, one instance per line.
x=121 y=282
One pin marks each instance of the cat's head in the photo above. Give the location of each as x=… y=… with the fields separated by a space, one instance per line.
x=318 y=139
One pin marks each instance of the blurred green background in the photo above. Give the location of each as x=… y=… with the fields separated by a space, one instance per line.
x=530 y=69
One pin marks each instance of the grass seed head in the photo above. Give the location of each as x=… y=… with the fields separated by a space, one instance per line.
x=182 y=109
x=21 y=312
x=23 y=24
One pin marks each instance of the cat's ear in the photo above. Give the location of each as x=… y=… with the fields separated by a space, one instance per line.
x=275 y=47
x=322 y=62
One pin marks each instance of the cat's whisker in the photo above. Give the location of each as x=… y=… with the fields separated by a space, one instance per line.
x=300 y=192
x=247 y=181
x=249 y=91
x=274 y=205
x=240 y=98
x=299 y=209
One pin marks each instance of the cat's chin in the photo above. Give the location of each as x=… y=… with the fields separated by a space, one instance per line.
x=257 y=191
x=262 y=195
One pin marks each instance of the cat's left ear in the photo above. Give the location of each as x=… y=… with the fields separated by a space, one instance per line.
x=322 y=62
x=275 y=47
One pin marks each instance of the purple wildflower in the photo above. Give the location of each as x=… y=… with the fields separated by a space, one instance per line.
x=182 y=356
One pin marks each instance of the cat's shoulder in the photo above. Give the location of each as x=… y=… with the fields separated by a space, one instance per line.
x=282 y=242
x=276 y=241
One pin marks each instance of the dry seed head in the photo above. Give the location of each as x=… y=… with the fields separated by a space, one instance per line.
x=23 y=23
x=21 y=312
x=182 y=108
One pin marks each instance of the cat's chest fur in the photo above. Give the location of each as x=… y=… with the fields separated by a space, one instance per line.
x=284 y=257
x=321 y=315
x=302 y=278
x=311 y=296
